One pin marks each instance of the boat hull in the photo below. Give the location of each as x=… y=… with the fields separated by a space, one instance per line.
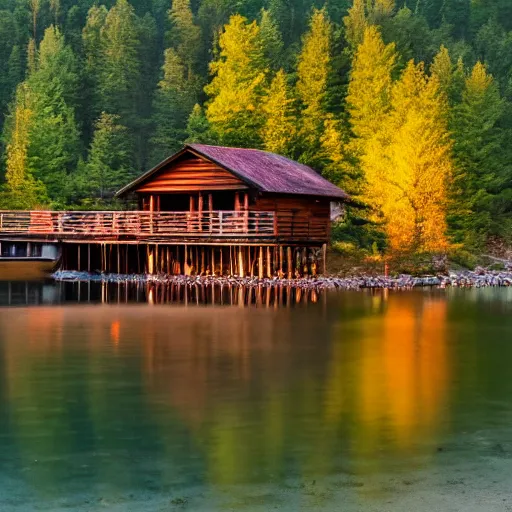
x=25 y=268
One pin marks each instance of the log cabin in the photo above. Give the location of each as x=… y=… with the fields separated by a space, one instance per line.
x=205 y=210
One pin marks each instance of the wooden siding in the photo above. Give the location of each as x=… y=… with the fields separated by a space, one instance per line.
x=191 y=175
x=298 y=217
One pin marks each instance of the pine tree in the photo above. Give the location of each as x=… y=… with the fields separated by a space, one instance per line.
x=108 y=165
x=93 y=63
x=119 y=71
x=271 y=40
x=174 y=101
x=451 y=77
x=185 y=35
x=313 y=69
x=238 y=82
x=53 y=147
x=198 y=128
x=279 y=132
x=21 y=190
x=481 y=167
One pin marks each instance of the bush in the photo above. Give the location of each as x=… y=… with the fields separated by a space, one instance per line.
x=464 y=259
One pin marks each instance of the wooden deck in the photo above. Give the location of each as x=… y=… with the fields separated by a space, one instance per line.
x=138 y=225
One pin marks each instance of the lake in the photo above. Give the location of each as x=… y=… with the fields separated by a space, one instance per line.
x=130 y=398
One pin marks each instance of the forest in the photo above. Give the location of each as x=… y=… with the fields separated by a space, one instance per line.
x=406 y=107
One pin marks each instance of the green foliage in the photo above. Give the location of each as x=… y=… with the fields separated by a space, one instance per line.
x=175 y=98
x=482 y=170
x=108 y=166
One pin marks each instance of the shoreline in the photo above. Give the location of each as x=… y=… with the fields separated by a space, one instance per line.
x=479 y=278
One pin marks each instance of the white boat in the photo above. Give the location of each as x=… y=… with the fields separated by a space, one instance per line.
x=23 y=260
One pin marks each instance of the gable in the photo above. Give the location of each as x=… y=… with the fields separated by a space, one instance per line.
x=190 y=173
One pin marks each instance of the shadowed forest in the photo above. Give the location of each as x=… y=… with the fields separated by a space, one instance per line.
x=406 y=107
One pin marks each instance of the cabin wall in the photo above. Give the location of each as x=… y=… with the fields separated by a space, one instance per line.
x=191 y=174
x=298 y=217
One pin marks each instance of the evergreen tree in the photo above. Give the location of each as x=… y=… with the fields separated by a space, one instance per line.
x=313 y=69
x=185 y=35
x=174 y=101
x=450 y=76
x=198 y=128
x=481 y=167
x=108 y=165
x=271 y=41
x=53 y=146
x=279 y=133
x=238 y=82
x=93 y=64
x=119 y=72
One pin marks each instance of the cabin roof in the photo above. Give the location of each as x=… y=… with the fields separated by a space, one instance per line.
x=265 y=171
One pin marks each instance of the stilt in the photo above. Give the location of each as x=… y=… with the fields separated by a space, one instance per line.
x=240 y=262
x=324 y=259
x=281 y=259
x=78 y=262
x=186 y=262
x=304 y=261
x=89 y=258
x=289 y=268
x=269 y=263
x=260 y=264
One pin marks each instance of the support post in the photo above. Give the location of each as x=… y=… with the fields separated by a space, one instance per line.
x=260 y=264
x=240 y=262
x=324 y=259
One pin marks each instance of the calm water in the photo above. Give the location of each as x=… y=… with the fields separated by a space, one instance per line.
x=336 y=401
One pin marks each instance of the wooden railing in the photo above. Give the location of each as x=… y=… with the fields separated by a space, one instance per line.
x=226 y=224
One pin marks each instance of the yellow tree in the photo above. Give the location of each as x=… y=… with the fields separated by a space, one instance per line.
x=313 y=70
x=411 y=170
x=280 y=129
x=368 y=98
x=237 y=86
x=355 y=23
x=21 y=190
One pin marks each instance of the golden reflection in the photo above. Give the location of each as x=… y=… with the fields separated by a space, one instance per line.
x=249 y=393
x=402 y=376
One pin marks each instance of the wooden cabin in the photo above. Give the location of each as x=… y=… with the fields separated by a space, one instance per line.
x=247 y=185
x=205 y=210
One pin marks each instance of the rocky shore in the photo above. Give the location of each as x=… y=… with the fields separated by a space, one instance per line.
x=478 y=278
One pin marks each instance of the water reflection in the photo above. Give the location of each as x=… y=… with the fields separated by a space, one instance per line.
x=18 y=293
x=101 y=402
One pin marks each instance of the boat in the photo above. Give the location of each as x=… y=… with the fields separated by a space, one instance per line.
x=26 y=260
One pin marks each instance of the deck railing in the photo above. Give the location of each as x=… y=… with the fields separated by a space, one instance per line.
x=226 y=224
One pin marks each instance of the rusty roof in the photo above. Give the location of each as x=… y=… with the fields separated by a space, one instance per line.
x=265 y=171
